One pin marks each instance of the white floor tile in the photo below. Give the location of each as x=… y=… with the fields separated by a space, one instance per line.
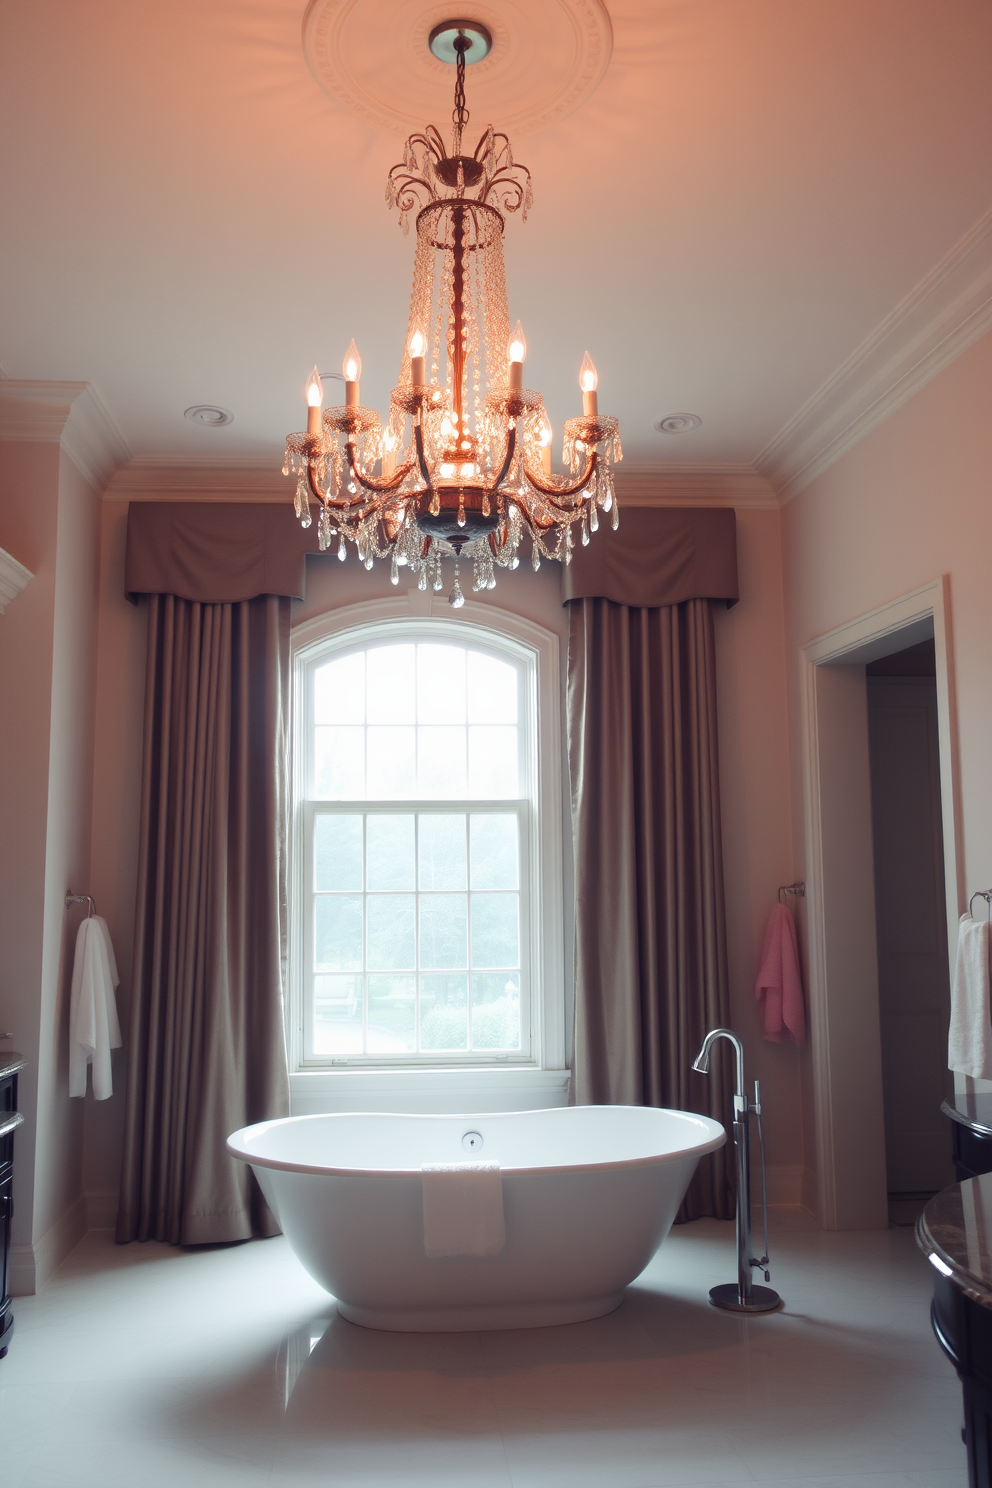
x=145 y=1366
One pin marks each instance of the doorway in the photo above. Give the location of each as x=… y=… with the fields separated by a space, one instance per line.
x=910 y=924
x=851 y=1120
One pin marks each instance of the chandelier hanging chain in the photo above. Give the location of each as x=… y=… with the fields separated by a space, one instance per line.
x=459 y=115
x=463 y=465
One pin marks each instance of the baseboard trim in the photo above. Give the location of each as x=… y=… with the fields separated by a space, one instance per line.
x=31 y=1265
x=810 y=1192
x=101 y=1210
x=22 y=1271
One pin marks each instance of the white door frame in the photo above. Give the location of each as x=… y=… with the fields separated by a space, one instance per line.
x=845 y=1047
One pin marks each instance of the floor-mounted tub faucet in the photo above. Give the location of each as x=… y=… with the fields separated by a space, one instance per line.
x=744 y=1296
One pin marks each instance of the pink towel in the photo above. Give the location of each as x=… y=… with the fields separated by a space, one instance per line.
x=778 y=982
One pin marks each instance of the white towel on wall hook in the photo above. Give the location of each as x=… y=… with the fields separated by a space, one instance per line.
x=93 y=1026
x=969 y=1041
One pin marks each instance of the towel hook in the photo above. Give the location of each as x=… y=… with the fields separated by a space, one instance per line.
x=985 y=894
x=798 y=889
x=82 y=899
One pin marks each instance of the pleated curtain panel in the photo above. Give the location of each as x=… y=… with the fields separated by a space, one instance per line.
x=206 y=1043
x=650 y=938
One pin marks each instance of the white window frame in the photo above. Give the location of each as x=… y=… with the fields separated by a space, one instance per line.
x=536 y=649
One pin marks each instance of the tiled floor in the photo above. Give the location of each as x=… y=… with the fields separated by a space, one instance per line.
x=144 y=1366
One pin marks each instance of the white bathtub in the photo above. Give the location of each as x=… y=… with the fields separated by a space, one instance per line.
x=589 y=1193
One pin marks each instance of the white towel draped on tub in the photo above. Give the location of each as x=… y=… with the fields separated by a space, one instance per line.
x=969 y=1041
x=463 y=1209
x=93 y=1026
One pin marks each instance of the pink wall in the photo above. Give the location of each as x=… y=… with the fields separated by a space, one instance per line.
x=29 y=476
x=757 y=831
x=906 y=505
x=49 y=520
x=58 y=1177
x=116 y=792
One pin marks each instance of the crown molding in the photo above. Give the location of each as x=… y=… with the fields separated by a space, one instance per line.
x=940 y=318
x=36 y=412
x=92 y=439
x=171 y=479
x=13 y=577
x=689 y=485
x=70 y=414
x=261 y=480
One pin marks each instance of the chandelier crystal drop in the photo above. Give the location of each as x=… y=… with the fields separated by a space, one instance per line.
x=462 y=467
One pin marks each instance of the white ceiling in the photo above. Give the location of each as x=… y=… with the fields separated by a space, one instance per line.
x=751 y=190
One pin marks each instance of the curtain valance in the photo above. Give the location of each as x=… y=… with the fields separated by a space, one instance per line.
x=223 y=552
x=215 y=552
x=658 y=556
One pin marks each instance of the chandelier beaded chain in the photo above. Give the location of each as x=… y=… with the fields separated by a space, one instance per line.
x=464 y=459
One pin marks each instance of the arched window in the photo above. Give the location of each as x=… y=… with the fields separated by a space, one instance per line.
x=420 y=883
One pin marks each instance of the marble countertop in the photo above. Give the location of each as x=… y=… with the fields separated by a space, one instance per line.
x=955 y=1229
x=11 y=1062
x=972 y=1111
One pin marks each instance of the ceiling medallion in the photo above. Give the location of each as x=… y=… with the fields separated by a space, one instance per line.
x=373 y=57
x=464 y=461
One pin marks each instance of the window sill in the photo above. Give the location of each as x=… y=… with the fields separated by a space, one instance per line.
x=426 y=1092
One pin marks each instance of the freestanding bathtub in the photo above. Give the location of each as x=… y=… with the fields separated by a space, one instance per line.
x=589 y=1193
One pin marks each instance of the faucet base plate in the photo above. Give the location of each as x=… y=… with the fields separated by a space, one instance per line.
x=728 y=1296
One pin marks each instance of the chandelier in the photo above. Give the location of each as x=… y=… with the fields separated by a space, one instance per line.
x=462 y=469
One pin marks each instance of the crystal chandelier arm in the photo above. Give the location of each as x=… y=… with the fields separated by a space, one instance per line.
x=322 y=496
x=405 y=189
x=347 y=508
x=546 y=488
x=511 y=445
x=415 y=174
x=509 y=189
x=391 y=483
x=418 y=436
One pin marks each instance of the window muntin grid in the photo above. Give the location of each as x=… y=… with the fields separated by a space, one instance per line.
x=416 y=719
x=397 y=729
x=417 y=932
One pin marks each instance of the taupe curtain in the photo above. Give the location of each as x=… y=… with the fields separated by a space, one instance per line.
x=650 y=940
x=206 y=1043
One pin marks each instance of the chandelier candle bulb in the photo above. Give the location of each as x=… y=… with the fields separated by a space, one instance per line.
x=547 y=435
x=352 y=369
x=589 y=382
x=388 y=453
x=315 y=397
x=418 y=362
x=516 y=353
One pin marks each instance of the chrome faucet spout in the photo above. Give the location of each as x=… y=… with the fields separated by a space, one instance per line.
x=702 y=1061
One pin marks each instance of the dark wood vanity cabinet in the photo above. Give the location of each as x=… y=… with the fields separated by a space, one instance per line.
x=10 y=1064
x=971 y=1133
x=955 y=1234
